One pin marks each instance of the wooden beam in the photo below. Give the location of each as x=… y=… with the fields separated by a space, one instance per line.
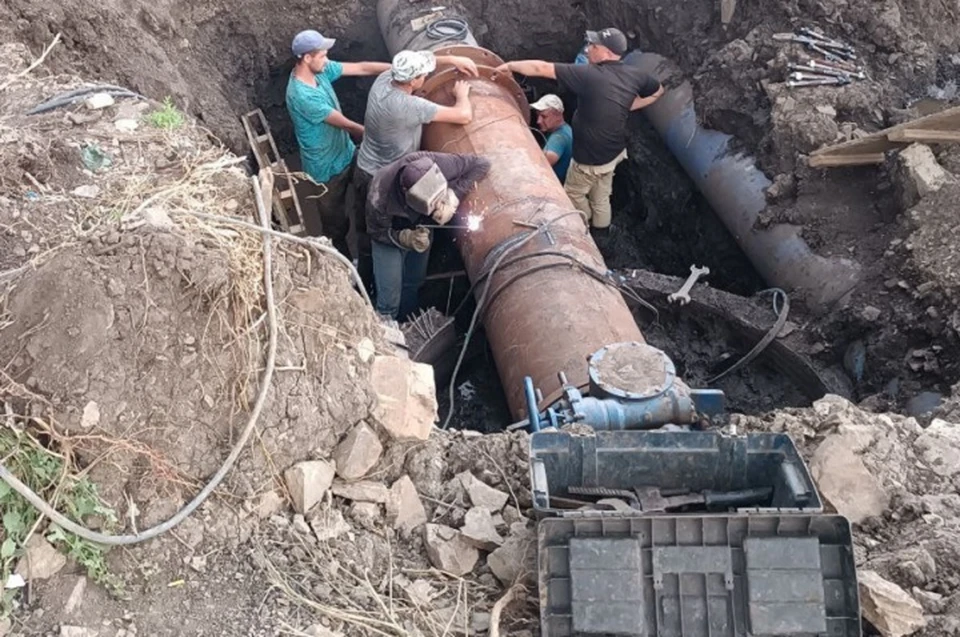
x=924 y=135
x=828 y=161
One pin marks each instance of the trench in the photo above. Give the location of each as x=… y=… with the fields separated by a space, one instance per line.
x=661 y=224
x=225 y=58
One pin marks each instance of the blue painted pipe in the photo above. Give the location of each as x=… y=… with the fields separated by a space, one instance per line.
x=736 y=189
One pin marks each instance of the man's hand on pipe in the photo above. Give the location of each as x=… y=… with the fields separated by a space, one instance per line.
x=465 y=65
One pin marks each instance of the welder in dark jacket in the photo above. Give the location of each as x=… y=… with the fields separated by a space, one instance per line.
x=418 y=189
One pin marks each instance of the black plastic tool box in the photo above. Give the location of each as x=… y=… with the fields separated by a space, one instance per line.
x=784 y=569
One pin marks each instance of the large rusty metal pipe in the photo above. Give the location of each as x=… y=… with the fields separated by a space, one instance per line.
x=544 y=314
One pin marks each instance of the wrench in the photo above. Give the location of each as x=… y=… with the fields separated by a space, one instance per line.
x=682 y=296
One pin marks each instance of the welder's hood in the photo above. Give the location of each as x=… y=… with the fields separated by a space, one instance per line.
x=424 y=185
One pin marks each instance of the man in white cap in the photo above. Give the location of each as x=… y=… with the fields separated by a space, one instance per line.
x=559 y=146
x=419 y=188
x=394 y=123
x=607 y=91
x=323 y=131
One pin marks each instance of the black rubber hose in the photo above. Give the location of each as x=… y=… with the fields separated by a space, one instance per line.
x=445 y=29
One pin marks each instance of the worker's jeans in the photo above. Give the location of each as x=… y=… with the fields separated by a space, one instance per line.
x=397 y=276
x=590 y=187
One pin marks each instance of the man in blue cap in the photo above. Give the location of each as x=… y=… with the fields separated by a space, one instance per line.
x=323 y=131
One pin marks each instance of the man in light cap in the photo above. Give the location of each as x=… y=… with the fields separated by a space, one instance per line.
x=559 y=146
x=417 y=189
x=607 y=91
x=323 y=132
x=394 y=123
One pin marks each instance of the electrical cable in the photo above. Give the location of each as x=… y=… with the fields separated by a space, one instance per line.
x=480 y=304
x=767 y=338
x=70 y=97
x=446 y=29
x=265 y=381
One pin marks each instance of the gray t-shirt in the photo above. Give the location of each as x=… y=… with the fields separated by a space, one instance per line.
x=392 y=125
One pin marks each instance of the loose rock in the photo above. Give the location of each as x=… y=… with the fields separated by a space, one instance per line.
x=479 y=529
x=515 y=557
x=91 y=415
x=270 y=503
x=78 y=631
x=329 y=524
x=448 y=550
x=845 y=482
x=366 y=514
x=939 y=447
x=358 y=453
x=99 y=100
x=406 y=397
x=41 y=560
x=307 y=482
x=404 y=508
x=364 y=491
x=888 y=607
x=481 y=494
x=919 y=174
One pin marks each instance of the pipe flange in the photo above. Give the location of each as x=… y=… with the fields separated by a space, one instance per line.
x=632 y=371
x=440 y=78
x=478 y=54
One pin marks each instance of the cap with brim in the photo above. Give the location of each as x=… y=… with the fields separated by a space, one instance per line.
x=310 y=41
x=409 y=65
x=613 y=39
x=548 y=102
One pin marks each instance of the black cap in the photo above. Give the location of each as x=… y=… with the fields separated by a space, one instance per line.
x=613 y=39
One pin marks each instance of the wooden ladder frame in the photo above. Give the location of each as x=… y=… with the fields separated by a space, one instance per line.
x=286 y=204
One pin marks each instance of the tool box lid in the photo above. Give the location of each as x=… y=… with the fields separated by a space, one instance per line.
x=698 y=576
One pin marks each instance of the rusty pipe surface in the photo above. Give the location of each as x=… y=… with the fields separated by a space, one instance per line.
x=543 y=315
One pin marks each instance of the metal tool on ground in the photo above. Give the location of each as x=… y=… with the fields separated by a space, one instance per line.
x=682 y=296
x=851 y=69
x=822 y=71
x=808 y=32
x=839 y=79
x=824 y=48
x=827 y=81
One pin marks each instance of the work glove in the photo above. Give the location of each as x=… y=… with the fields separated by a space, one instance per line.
x=417 y=239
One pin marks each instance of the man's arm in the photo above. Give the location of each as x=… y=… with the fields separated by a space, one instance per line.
x=461 y=112
x=355 y=69
x=338 y=119
x=462 y=171
x=552 y=157
x=465 y=65
x=530 y=68
x=643 y=102
x=554 y=147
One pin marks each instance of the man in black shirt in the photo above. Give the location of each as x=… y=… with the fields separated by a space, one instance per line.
x=607 y=91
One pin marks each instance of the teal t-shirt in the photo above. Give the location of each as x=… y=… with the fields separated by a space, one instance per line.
x=561 y=143
x=325 y=150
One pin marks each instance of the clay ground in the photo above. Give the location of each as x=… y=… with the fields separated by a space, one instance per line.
x=132 y=334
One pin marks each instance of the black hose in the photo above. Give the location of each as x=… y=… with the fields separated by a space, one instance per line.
x=70 y=97
x=453 y=29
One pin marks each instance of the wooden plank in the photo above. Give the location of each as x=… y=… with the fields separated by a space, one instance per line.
x=827 y=161
x=880 y=142
x=924 y=136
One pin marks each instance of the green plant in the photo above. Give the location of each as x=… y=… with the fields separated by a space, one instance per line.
x=47 y=474
x=167 y=117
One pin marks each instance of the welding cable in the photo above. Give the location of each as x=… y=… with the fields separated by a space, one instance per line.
x=585 y=267
x=445 y=29
x=768 y=338
x=483 y=296
x=70 y=97
x=265 y=381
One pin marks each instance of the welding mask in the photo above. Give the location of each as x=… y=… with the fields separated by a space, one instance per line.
x=424 y=195
x=445 y=208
